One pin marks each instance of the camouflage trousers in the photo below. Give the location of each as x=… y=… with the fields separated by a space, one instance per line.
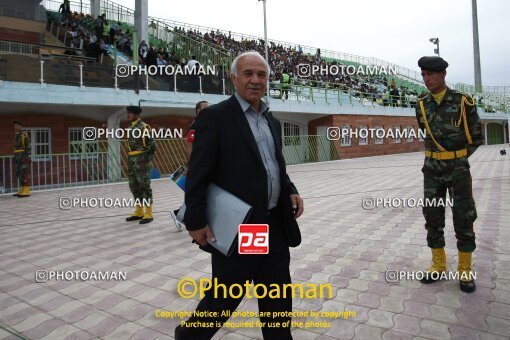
x=21 y=160
x=139 y=177
x=454 y=176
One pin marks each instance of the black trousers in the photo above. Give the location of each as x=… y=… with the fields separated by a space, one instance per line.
x=272 y=268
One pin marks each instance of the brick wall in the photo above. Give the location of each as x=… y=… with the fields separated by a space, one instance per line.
x=69 y=170
x=60 y=125
x=372 y=149
x=20 y=36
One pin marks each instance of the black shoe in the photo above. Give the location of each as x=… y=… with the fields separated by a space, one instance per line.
x=133 y=218
x=178 y=333
x=428 y=278
x=467 y=286
x=146 y=220
x=16 y=194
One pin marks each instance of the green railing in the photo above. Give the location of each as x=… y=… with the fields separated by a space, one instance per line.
x=308 y=149
x=160 y=29
x=336 y=93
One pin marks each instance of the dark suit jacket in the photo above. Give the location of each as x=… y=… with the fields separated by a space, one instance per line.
x=225 y=153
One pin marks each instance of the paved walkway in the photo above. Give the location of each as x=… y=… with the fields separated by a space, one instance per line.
x=343 y=244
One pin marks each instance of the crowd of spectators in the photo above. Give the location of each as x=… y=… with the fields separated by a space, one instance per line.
x=93 y=36
x=285 y=59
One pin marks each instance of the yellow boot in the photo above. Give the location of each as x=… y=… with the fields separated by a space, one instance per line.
x=137 y=215
x=147 y=217
x=19 y=192
x=438 y=266
x=25 y=191
x=466 y=278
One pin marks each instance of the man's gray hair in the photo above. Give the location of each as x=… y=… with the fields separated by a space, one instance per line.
x=233 y=70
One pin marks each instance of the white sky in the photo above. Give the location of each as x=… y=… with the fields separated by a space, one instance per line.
x=394 y=30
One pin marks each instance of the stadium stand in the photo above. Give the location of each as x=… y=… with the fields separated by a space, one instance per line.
x=108 y=40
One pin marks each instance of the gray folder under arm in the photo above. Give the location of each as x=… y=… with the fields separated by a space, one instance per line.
x=224 y=214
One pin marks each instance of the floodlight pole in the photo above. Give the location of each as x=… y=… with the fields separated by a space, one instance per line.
x=476 y=49
x=266 y=50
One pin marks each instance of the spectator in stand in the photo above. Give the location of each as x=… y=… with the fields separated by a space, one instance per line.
x=93 y=37
x=114 y=29
x=161 y=60
x=192 y=63
x=164 y=53
x=98 y=25
x=412 y=100
x=394 y=96
x=386 y=98
x=93 y=50
x=106 y=32
x=65 y=9
x=143 y=49
x=152 y=57
x=174 y=60
x=103 y=47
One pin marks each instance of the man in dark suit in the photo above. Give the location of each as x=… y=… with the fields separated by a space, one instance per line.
x=238 y=147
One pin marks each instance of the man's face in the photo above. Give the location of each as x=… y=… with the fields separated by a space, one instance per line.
x=434 y=81
x=202 y=106
x=251 y=78
x=132 y=117
x=17 y=127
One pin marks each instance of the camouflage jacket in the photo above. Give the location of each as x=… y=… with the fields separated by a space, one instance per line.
x=22 y=141
x=141 y=140
x=446 y=124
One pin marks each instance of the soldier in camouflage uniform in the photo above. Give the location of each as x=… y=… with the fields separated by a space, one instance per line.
x=453 y=134
x=140 y=154
x=21 y=154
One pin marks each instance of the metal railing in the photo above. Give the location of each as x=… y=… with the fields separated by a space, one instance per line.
x=308 y=149
x=118 y=12
x=186 y=46
x=121 y=13
x=108 y=164
x=66 y=70
x=160 y=29
x=76 y=6
x=337 y=93
x=11 y=47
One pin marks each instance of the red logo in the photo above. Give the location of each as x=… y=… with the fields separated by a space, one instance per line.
x=253 y=239
x=191 y=136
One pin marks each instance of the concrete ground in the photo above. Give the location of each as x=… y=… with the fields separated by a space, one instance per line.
x=343 y=244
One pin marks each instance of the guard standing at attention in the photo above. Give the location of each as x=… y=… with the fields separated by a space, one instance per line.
x=141 y=150
x=21 y=158
x=453 y=134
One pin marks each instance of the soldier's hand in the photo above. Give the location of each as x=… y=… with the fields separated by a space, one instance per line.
x=203 y=236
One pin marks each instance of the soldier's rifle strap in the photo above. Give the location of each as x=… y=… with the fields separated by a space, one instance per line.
x=145 y=126
x=440 y=148
x=463 y=117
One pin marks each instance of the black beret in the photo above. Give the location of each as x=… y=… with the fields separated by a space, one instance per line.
x=134 y=109
x=436 y=64
x=17 y=123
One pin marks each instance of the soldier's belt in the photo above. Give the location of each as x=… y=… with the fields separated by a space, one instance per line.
x=18 y=151
x=133 y=153
x=446 y=155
